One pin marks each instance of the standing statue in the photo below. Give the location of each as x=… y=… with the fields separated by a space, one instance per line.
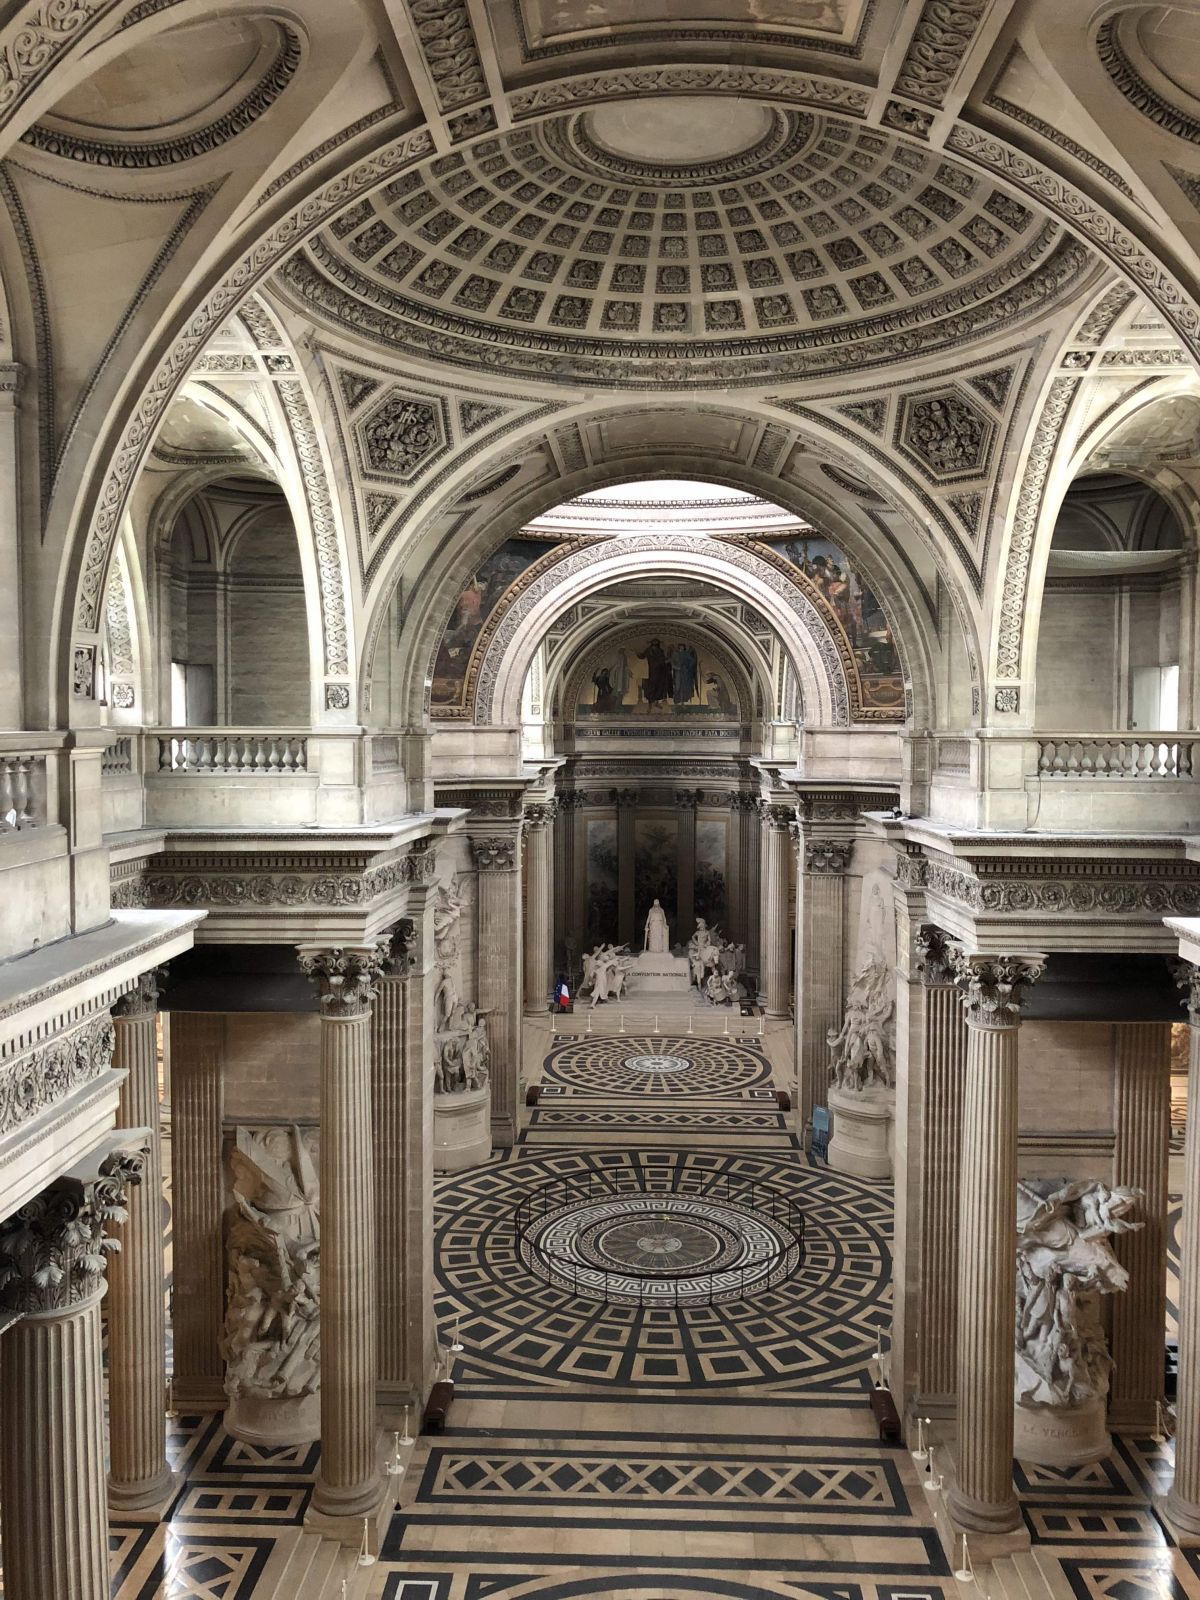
x=271 y=1338
x=461 y=1053
x=658 y=935
x=1064 y=1261
x=864 y=1049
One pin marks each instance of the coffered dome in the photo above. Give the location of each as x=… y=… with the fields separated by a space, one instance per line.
x=684 y=241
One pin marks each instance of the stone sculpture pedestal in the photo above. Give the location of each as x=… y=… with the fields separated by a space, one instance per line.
x=862 y=1139
x=654 y=973
x=462 y=1129
x=282 y=1419
x=1061 y=1436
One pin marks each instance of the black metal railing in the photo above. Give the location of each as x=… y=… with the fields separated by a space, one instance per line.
x=663 y=1288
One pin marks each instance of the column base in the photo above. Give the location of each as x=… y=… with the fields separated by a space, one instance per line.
x=462 y=1133
x=339 y=1514
x=145 y=1502
x=980 y=1518
x=198 y=1394
x=1182 y=1518
x=504 y=1133
x=1132 y=1416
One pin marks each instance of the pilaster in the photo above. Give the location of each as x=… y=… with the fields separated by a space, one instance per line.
x=820 y=962
x=775 y=931
x=197 y=1042
x=498 y=956
x=538 y=835
x=139 y=1478
x=1181 y=1507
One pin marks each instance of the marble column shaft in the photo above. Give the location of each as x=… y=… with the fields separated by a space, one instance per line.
x=196 y=1041
x=538 y=875
x=941 y=1151
x=820 y=964
x=983 y=1497
x=52 y=1389
x=349 y=1482
x=1182 y=1504
x=775 y=937
x=686 y=801
x=1142 y=1121
x=402 y=1111
x=139 y=1477
x=627 y=932
x=498 y=959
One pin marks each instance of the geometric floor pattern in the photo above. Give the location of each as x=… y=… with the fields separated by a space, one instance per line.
x=598 y=1067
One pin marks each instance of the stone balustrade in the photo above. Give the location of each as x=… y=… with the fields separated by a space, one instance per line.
x=117 y=760
x=231 y=752
x=1150 y=755
x=22 y=790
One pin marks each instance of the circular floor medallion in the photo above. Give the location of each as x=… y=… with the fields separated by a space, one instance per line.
x=659 y=1249
x=657 y=1063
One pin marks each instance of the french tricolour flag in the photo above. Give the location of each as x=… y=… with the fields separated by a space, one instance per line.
x=562 y=994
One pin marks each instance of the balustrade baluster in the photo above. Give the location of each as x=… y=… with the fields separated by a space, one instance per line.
x=8 y=808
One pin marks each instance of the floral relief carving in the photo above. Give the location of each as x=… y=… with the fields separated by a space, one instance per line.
x=939 y=42
x=324 y=526
x=448 y=42
x=41 y=1078
x=946 y=433
x=398 y=437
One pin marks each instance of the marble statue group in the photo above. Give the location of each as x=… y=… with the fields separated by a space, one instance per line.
x=606 y=971
x=715 y=964
x=864 y=1048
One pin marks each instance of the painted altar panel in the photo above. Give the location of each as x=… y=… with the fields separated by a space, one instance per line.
x=657 y=676
x=711 y=893
x=656 y=871
x=603 y=881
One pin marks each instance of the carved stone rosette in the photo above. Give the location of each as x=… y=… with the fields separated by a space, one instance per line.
x=827 y=855
x=992 y=986
x=345 y=977
x=52 y=1250
x=494 y=854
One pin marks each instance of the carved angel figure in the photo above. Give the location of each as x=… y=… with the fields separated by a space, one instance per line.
x=1064 y=1263
x=864 y=1049
x=605 y=971
x=447 y=909
x=271 y=1339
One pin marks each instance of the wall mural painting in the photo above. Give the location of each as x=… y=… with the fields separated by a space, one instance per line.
x=711 y=900
x=658 y=676
x=603 y=878
x=860 y=616
x=656 y=870
x=479 y=598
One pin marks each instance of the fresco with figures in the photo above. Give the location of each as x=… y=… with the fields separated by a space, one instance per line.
x=660 y=675
x=480 y=596
x=859 y=615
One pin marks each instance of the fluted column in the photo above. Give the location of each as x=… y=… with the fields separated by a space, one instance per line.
x=197 y=1045
x=139 y=1478
x=349 y=1482
x=686 y=801
x=498 y=963
x=1142 y=1121
x=52 y=1254
x=627 y=931
x=941 y=1146
x=1182 y=1504
x=402 y=1110
x=538 y=870
x=983 y=1497
x=775 y=933
x=820 y=975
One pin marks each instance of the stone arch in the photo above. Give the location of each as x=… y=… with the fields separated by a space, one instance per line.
x=86 y=554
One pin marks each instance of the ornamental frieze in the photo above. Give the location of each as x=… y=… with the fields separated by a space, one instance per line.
x=1154 y=894
x=34 y=1082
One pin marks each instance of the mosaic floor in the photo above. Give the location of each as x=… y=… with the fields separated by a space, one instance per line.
x=651 y=1453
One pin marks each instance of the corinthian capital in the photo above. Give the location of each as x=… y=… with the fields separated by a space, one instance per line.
x=53 y=1250
x=142 y=999
x=992 y=986
x=494 y=855
x=344 y=975
x=935 y=956
x=827 y=855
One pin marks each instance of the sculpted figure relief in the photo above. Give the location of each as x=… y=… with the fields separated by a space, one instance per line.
x=864 y=1048
x=461 y=1054
x=715 y=964
x=1064 y=1262
x=447 y=909
x=271 y=1341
